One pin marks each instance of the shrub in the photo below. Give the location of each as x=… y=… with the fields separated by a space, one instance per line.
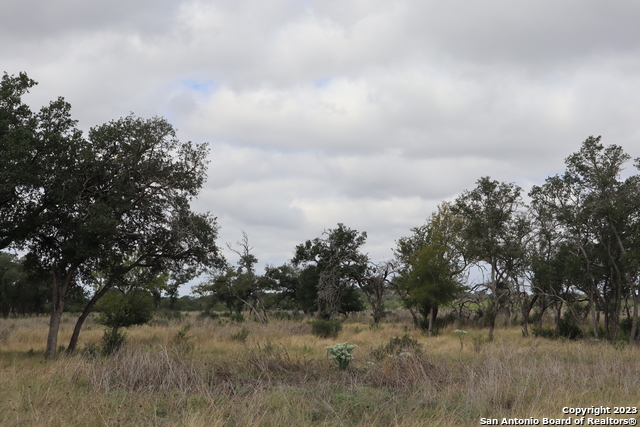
x=281 y=315
x=91 y=350
x=237 y=317
x=396 y=346
x=341 y=354
x=241 y=335
x=567 y=328
x=166 y=314
x=112 y=341
x=181 y=341
x=326 y=328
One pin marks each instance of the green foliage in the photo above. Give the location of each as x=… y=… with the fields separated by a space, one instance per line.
x=84 y=204
x=21 y=292
x=326 y=328
x=341 y=354
x=567 y=328
x=181 y=342
x=430 y=263
x=241 y=335
x=595 y=217
x=339 y=266
x=92 y=350
x=431 y=281
x=112 y=341
x=122 y=310
x=396 y=346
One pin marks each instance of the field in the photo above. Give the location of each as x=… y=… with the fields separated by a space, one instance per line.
x=205 y=372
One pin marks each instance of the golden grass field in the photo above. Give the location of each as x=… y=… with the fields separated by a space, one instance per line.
x=280 y=376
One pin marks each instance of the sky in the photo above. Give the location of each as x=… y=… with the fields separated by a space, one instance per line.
x=363 y=112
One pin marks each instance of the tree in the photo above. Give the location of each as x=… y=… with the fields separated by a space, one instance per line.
x=374 y=284
x=494 y=229
x=598 y=214
x=284 y=282
x=239 y=286
x=37 y=152
x=122 y=307
x=431 y=263
x=339 y=263
x=144 y=181
x=21 y=292
x=80 y=205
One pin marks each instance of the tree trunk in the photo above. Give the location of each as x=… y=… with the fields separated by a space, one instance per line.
x=416 y=321
x=60 y=288
x=432 y=315
x=633 y=339
x=85 y=313
x=496 y=302
x=594 y=314
x=558 y=316
x=526 y=311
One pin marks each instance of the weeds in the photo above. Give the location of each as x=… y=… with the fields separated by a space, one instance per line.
x=341 y=354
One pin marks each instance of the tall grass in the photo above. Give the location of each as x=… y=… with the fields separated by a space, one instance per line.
x=280 y=375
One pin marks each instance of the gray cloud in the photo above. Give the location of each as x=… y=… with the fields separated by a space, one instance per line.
x=366 y=112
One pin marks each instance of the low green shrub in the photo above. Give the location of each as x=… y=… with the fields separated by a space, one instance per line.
x=396 y=346
x=241 y=335
x=181 y=342
x=112 y=341
x=326 y=328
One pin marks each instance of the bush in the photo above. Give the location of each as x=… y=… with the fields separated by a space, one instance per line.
x=181 y=342
x=326 y=328
x=241 y=335
x=91 y=350
x=625 y=326
x=281 y=315
x=237 y=317
x=166 y=314
x=567 y=328
x=396 y=346
x=112 y=341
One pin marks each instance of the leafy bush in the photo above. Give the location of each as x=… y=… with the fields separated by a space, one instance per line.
x=112 y=341
x=281 y=315
x=326 y=328
x=123 y=310
x=237 y=317
x=341 y=354
x=567 y=328
x=625 y=326
x=241 y=335
x=181 y=341
x=167 y=314
x=396 y=346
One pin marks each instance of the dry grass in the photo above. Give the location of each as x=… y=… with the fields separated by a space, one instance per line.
x=279 y=375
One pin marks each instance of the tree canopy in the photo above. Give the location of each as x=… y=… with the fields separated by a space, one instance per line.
x=90 y=204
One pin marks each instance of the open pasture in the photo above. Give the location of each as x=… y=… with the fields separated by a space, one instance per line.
x=205 y=372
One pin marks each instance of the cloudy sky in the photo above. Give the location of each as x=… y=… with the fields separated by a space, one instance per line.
x=365 y=112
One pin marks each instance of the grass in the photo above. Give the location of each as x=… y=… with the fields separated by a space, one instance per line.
x=170 y=374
